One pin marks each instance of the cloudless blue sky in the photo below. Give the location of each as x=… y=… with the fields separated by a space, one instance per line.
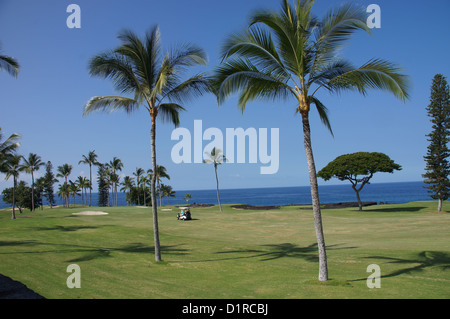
x=44 y=104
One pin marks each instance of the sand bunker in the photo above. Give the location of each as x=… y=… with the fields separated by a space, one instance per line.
x=90 y=213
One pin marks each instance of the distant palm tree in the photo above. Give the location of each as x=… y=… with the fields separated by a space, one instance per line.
x=114 y=179
x=137 y=67
x=30 y=165
x=187 y=197
x=291 y=54
x=90 y=159
x=7 y=148
x=116 y=165
x=9 y=65
x=12 y=168
x=74 y=190
x=64 y=171
x=63 y=192
x=138 y=173
x=128 y=185
x=167 y=191
x=83 y=183
x=217 y=158
x=161 y=172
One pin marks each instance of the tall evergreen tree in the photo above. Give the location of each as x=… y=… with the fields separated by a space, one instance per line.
x=49 y=181
x=437 y=163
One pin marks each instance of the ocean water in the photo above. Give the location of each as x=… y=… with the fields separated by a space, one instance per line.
x=393 y=193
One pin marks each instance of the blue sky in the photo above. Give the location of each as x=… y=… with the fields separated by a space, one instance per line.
x=44 y=104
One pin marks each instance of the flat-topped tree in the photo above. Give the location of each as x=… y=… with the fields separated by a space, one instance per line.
x=358 y=168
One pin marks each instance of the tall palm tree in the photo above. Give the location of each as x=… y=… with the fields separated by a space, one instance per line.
x=161 y=172
x=90 y=159
x=9 y=64
x=116 y=165
x=74 y=190
x=138 y=174
x=31 y=165
x=114 y=179
x=292 y=55
x=7 y=148
x=63 y=192
x=64 y=171
x=138 y=68
x=217 y=158
x=128 y=185
x=83 y=183
x=12 y=168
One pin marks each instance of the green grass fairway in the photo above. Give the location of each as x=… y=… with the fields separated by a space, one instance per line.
x=234 y=254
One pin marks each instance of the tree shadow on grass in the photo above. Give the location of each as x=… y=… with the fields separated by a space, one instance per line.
x=271 y=252
x=64 y=228
x=89 y=252
x=422 y=261
x=18 y=243
x=394 y=209
x=284 y=250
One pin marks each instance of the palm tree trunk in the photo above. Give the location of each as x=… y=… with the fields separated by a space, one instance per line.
x=152 y=190
x=217 y=183
x=90 y=184
x=14 y=200
x=323 y=268
x=32 y=191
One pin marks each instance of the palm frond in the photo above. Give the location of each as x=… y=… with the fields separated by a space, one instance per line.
x=110 y=104
x=323 y=113
x=375 y=74
x=10 y=65
x=168 y=81
x=193 y=87
x=257 y=46
x=170 y=112
x=332 y=33
x=136 y=53
x=242 y=76
x=9 y=146
x=114 y=66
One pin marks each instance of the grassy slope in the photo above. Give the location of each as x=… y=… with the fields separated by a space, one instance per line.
x=235 y=254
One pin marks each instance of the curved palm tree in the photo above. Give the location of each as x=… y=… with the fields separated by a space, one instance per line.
x=292 y=55
x=30 y=165
x=13 y=167
x=217 y=158
x=90 y=159
x=138 y=68
x=9 y=64
x=161 y=172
